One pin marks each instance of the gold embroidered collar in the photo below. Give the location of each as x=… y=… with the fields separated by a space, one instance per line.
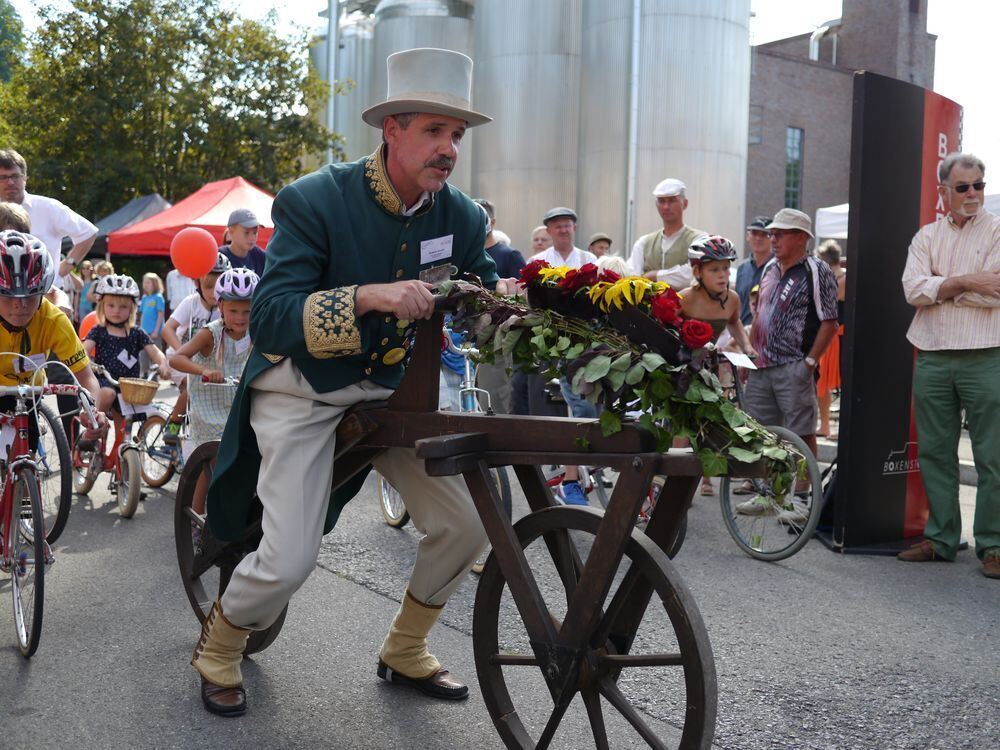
x=383 y=191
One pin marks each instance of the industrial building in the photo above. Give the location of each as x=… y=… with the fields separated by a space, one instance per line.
x=595 y=101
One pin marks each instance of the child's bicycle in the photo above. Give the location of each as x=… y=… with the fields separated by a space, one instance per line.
x=24 y=552
x=394 y=511
x=123 y=461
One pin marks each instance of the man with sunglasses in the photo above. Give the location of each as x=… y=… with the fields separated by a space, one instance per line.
x=952 y=278
x=50 y=219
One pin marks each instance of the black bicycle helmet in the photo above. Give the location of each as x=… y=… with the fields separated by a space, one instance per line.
x=711 y=248
x=222 y=264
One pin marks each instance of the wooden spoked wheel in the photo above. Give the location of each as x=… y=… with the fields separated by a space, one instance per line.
x=647 y=669
x=207 y=564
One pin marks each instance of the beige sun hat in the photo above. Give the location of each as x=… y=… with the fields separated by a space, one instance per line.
x=435 y=81
x=789 y=218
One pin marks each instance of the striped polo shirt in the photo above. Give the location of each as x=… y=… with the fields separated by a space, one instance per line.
x=941 y=250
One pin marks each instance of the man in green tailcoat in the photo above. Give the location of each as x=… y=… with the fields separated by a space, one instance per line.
x=332 y=320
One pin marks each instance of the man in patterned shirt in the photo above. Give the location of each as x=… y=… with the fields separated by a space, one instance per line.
x=796 y=321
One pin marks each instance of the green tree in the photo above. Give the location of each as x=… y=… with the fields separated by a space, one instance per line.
x=11 y=39
x=119 y=98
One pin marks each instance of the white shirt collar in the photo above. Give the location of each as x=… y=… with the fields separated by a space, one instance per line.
x=423 y=200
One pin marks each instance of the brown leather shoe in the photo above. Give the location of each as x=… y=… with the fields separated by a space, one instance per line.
x=991 y=566
x=441 y=684
x=223 y=701
x=922 y=552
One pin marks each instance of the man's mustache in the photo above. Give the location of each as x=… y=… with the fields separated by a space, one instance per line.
x=441 y=162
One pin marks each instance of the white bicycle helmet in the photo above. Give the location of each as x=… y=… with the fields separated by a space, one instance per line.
x=118 y=284
x=26 y=268
x=236 y=284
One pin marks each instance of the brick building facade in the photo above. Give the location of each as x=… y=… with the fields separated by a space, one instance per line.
x=801 y=91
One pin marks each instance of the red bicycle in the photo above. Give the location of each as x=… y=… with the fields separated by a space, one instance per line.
x=24 y=552
x=123 y=461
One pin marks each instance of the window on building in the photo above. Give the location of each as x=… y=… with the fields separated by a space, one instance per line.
x=756 y=124
x=793 y=167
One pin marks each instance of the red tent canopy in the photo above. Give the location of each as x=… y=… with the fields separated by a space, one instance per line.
x=208 y=208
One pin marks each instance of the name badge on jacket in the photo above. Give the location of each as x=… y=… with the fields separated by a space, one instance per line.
x=431 y=251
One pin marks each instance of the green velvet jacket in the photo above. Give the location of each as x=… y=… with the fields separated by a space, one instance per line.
x=335 y=229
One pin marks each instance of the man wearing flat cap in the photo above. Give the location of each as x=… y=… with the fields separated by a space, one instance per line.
x=241 y=249
x=599 y=244
x=662 y=255
x=749 y=271
x=560 y=222
x=332 y=321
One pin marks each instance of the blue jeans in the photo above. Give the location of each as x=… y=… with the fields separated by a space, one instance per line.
x=579 y=406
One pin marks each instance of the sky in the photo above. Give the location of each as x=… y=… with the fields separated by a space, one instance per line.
x=961 y=69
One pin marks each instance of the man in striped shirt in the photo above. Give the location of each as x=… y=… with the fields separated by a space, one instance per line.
x=952 y=277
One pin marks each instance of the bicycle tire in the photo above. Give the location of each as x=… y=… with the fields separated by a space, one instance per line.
x=55 y=476
x=391 y=502
x=597 y=476
x=27 y=558
x=86 y=467
x=158 y=462
x=502 y=482
x=750 y=531
x=130 y=486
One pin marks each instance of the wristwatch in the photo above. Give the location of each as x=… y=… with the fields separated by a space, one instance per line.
x=810 y=361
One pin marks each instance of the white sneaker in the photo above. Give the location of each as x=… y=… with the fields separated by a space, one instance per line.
x=797 y=515
x=756 y=506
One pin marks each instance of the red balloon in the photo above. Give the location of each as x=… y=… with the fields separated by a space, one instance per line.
x=193 y=251
x=88 y=322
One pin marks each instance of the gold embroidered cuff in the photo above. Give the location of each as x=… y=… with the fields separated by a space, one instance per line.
x=329 y=324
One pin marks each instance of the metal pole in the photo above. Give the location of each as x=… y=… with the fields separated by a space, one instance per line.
x=332 y=50
x=633 y=126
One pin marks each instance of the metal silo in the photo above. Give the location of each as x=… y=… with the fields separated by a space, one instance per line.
x=684 y=114
x=406 y=24
x=527 y=77
x=355 y=66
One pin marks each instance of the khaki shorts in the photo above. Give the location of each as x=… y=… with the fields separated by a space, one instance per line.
x=784 y=396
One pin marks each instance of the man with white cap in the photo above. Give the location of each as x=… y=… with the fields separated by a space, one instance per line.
x=662 y=255
x=242 y=251
x=332 y=321
x=796 y=321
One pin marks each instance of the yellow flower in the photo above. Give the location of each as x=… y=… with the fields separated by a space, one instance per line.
x=631 y=289
x=554 y=274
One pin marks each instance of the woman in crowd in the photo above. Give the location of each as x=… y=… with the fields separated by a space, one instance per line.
x=829 y=364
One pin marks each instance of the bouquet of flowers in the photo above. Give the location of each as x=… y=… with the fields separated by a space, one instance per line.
x=674 y=392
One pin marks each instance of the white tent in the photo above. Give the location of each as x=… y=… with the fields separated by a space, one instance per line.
x=831 y=222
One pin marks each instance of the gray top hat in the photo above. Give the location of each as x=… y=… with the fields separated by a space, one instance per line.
x=436 y=81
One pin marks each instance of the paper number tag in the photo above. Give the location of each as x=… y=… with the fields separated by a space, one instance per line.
x=739 y=359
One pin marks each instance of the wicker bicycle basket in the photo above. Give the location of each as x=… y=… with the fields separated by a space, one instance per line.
x=137 y=391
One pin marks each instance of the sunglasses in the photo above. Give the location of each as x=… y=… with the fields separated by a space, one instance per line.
x=964 y=187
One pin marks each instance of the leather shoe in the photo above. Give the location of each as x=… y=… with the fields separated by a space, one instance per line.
x=441 y=684
x=223 y=701
x=991 y=566
x=921 y=552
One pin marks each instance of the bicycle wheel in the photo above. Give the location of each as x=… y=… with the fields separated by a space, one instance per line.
x=603 y=484
x=391 y=502
x=206 y=564
x=158 y=458
x=502 y=482
x=768 y=528
x=86 y=466
x=27 y=558
x=52 y=460
x=130 y=487
x=647 y=656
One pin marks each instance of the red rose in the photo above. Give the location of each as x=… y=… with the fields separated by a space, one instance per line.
x=530 y=272
x=609 y=276
x=696 y=333
x=666 y=308
x=578 y=279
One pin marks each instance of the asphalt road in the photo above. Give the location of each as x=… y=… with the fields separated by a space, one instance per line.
x=821 y=651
